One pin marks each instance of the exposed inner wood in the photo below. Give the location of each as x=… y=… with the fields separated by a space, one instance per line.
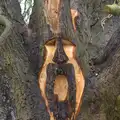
x=69 y=49
x=51 y=10
x=61 y=109
x=61 y=87
x=52 y=14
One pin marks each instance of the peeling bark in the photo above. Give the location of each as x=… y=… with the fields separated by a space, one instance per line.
x=7 y=31
x=101 y=96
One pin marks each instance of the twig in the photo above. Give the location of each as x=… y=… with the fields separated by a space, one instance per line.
x=7 y=30
x=105 y=19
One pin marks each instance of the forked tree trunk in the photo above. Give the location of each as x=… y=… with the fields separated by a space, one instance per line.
x=19 y=91
x=21 y=57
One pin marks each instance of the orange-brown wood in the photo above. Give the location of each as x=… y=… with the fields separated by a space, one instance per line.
x=51 y=9
x=74 y=14
x=52 y=14
x=61 y=85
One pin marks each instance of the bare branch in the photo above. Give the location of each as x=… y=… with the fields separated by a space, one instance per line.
x=7 y=30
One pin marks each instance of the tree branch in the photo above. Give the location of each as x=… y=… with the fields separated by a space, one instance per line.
x=7 y=31
x=38 y=21
x=109 y=49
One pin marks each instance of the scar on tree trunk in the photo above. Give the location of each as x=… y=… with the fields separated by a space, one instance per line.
x=61 y=80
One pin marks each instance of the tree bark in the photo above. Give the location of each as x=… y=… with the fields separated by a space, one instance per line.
x=67 y=32
x=22 y=55
x=19 y=91
x=102 y=97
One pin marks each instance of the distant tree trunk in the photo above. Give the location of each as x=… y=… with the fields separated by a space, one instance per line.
x=21 y=57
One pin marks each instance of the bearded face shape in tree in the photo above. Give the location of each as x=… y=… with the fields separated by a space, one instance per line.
x=61 y=80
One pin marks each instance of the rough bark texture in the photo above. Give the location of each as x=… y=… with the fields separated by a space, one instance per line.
x=68 y=32
x=64 y=109
x=101 y=98
x=19 y=92
x=21 y=56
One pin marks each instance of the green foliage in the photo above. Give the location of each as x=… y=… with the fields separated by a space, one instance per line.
x=113 y=9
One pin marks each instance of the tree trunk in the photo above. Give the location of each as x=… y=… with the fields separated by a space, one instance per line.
x=19 y=91
x=22 y=57
x=102 y=97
